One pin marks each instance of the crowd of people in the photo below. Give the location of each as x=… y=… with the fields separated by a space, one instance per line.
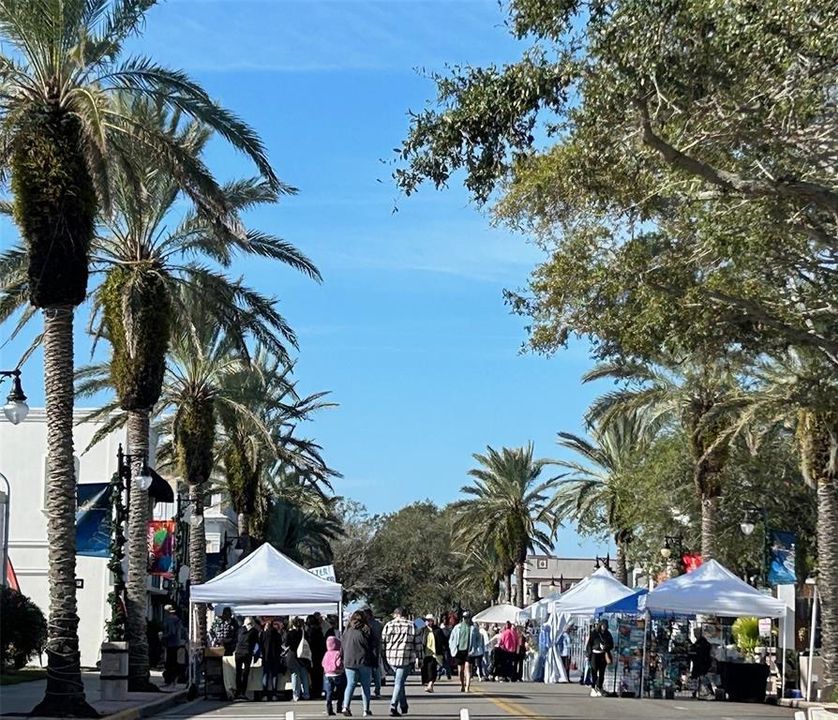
x=322 y=662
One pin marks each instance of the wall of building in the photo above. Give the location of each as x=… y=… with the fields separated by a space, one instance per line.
x=23 y=453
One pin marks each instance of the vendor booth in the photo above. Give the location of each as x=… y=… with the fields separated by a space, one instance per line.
x=713 y=591
x=577 y=608
x=500 y=615
x=265 y=583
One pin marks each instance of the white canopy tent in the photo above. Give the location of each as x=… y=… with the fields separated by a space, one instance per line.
x=599 y=589
x=540 y=609
x=499 y=614
x=265 y=581
x=712 y=589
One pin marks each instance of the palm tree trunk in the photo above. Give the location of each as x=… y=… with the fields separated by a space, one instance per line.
x=508 y=598
x=137 y=584
x=709 y=510
x=827 y=531
x=65 y=692
x=622 y=566
x=519 y=570
x=198 y=556
x=243 y=523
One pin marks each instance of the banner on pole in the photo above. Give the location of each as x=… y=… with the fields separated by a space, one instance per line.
x=93 y=520
x=326 y=572
x=781 y=562
x=161 y=547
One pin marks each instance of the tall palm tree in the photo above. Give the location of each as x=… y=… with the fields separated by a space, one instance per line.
x=800 y=391
x=592 y=493
x=508 y=508
x=61 y=131
x=300 y=532
x=694 y=395
x=248 y=458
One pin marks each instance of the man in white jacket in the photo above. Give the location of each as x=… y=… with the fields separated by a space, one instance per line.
x=466 y=645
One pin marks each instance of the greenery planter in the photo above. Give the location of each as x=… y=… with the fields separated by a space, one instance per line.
x=113 y=671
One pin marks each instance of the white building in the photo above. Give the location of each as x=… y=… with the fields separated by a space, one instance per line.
x=23 y=454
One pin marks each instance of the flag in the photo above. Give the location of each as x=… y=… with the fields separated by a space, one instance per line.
x=161 y=547
x=93 y=520
x=781 y=567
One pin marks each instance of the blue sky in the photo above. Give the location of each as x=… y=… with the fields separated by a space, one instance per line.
x=408 y=330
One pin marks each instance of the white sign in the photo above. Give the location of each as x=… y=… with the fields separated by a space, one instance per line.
x=765 y=627
x=326 y=572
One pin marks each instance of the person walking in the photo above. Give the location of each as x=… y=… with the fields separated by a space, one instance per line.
x=174 y=639
x=273 y=663
x=465 y=645
x=376 y=628
x=433 y=649
x=334 y=677
x=360 y=654
x=480 y=661
x=317 y=643
x=599 y=647
x=400 y=647
x=507 y=648
x=243 y=655
x=298 y=659
x=564 y=644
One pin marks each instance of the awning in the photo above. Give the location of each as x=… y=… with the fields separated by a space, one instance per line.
x=160 y=489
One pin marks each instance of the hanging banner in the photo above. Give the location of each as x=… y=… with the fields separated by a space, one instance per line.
x=781 y=564
x=325 y=572
x=161 y=547
x=93 y=520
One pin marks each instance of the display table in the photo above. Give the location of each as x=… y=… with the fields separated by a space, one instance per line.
x=254 y=680
x=744 y=682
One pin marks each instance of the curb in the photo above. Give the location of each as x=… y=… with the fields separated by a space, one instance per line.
x=150 y=708
x=805 y=705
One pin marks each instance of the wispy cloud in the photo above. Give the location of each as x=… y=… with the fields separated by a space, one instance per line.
x=315 y=36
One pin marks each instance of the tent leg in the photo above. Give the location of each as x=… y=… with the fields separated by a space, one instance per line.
x=340 y=615
x=189 y=645
x=615 y=656
x=782 y=692
x=812 y=644
x=646 y=628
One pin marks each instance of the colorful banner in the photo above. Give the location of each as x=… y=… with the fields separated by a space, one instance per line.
x=691 y=561
x=93 y=520
x=781 y=562
x=161 y=547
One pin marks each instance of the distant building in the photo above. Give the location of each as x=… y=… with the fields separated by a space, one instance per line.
x=23 y=456
x=545 y=574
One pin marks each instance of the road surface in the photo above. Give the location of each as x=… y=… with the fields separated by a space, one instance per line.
x=492 y=701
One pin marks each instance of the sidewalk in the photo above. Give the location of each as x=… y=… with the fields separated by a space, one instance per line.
x=18 y=700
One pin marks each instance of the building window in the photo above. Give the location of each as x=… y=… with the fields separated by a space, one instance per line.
x=213 y=542
x=541 y=563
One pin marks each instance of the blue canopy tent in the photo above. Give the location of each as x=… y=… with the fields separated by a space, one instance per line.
x=624 y=606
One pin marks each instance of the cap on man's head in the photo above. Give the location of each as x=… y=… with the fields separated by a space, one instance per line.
x=466 y=614
x=430 y=616
x=169 y=608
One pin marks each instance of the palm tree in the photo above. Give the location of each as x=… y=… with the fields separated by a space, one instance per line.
x=249 y=459
x=799 y=391
x=508 y=508
x=694 y=395
x=592 y=494
x=150 y=262
x=302 y=533
x=62 y=132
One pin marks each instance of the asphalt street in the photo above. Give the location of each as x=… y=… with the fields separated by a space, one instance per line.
x=492 y=701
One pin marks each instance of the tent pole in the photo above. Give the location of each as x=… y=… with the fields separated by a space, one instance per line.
x=615 y=656
x=189 y=645
x=648 y=618
x=782 y=692
x=340 y=615
x=812 y=644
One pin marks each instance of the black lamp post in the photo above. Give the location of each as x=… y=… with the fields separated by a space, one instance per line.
x=674 y=543
x=15 y=408
x=754 y=514
x=603 y=562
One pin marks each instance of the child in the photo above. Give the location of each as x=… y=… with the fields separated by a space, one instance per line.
x=334 y=677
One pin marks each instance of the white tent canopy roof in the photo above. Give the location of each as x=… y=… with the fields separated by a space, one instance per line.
x=279 y=609
x=599 y=589
x=711 y=589
x=498 y=614
x=266 y=576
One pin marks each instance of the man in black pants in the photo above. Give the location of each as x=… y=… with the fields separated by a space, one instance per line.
x=600 y=645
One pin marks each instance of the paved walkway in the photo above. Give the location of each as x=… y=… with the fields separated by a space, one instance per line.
x=493 y=701
x=18 y=700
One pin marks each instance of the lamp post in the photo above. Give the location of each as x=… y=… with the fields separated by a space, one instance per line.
x=603 y=562
x=676 y=543
x=15 y=408
x=753 y=514
x=15 y=411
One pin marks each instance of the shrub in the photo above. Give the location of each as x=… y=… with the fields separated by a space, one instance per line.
x=23 y=628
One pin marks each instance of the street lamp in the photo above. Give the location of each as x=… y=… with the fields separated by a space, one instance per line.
x=603 y=562
x=143 y=480
x=753 y=514
x=15 y=408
